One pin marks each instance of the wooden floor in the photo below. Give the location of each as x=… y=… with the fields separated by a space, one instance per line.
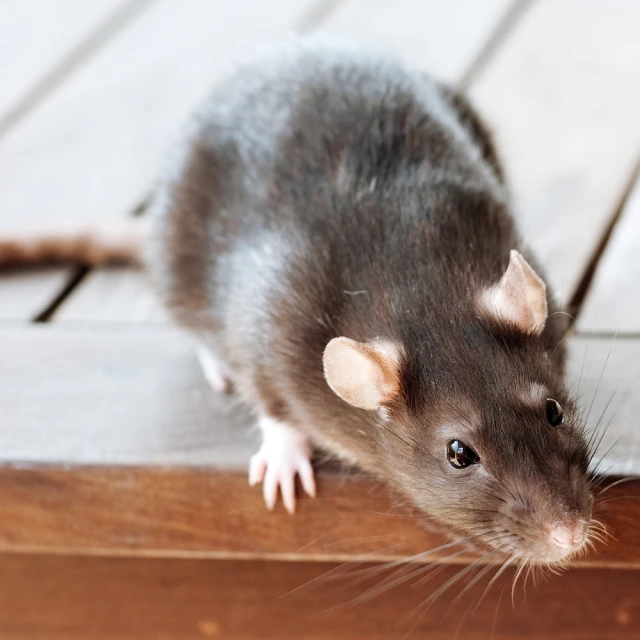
x=124 y=511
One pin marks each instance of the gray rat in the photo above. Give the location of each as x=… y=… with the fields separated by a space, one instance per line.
x=336 y=232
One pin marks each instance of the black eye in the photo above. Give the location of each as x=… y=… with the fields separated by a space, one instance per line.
x=554 y=413
x=461 y=455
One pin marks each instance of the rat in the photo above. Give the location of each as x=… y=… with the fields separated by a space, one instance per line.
x=335 y=231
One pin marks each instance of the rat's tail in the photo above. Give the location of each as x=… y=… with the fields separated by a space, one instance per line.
x=116 y=241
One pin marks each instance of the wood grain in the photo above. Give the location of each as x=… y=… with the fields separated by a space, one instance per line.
x=93 y=147
x=185 y=512
x=418 y=31
x=57 y=598
x=560 y=97
x=33 y=42
x=613 y=301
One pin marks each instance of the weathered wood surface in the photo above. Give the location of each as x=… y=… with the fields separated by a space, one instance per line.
x=443 y=38
x=113 y=295
x=113 y=397
x=137 y=396
x=61 y=598
x=612 y=304
x=564 y=115
x=419 y=32
x=562 y=97
x=92 y=150
x=36 y=40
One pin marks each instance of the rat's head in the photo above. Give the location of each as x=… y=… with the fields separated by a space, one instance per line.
x=492 y=447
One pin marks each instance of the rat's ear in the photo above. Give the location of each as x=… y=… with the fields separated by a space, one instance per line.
x=364 y=375
x=520 y=297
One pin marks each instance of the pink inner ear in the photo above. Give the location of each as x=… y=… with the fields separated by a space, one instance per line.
x=520 y=297
x=363 y=374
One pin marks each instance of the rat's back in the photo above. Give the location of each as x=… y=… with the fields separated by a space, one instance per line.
x=316 y=160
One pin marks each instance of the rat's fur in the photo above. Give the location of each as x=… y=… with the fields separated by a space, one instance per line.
x=323 y=192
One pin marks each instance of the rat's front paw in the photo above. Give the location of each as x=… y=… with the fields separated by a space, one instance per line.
x=283 y=454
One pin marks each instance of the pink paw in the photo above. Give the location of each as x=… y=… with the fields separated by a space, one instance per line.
x=283 y=455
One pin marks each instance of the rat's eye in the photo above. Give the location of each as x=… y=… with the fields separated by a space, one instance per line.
x=554 y=413
x=461 y=455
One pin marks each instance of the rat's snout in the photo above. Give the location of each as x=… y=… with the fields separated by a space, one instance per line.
x=551 y=527
x=568 y=537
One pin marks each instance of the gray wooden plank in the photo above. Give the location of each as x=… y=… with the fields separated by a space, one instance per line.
x=118 y=397
x=443 y=37
x=113 y=294
x=613 y=300
x=136 y=395
x=563 y=97
x=36 y=36
x=24 y=291
x=605 y=374
x=92 y=148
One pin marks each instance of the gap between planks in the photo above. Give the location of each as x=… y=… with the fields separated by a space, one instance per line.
x=504 y=28
x=582 y=291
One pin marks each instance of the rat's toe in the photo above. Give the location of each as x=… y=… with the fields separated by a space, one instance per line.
x=288 y=490
x=307 y=477
x=257 y=468
x=270 y=488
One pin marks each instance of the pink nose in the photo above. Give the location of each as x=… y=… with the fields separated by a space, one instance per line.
x=566 y=537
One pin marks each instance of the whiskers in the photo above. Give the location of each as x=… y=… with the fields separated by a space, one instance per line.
x=597 y=532
x=413 y=573
x=601 y=502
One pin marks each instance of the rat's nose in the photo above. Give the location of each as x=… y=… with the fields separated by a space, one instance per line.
x=566 y=537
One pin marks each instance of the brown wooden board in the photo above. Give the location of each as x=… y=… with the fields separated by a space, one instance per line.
x=212 y=513
x=612 y=304
x=445 y=38
x=62 y=598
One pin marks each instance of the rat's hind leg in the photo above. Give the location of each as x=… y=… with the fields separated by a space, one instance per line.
x=284 y=453
x=216 y=372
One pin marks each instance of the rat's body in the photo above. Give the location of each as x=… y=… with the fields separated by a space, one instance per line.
x=336 y=233
x=324 y=193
